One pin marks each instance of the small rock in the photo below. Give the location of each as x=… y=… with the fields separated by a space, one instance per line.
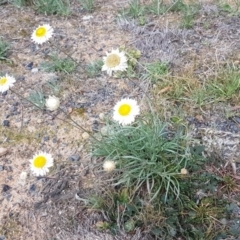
x=8 y=168
x=22 y=178
x=46 y=138
x=29 y=66
x=21 y=78
x=74 y=158
x=13 y=108
x=3 y=151
x=2 y=237
x=95 y=126
x=85 y=135
x=6 y=123
x=237 y=119
x=34 y=70
x=15 y=104
x=224 y=221
x=101 y=116
x=87 y=17
x=32 y=188
x=104 y=131
x=8 y=196
x=1 y=167
x=10 y=177
x=4 y=93
x=5 y=188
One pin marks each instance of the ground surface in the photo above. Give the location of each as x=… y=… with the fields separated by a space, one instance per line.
x=46 y=208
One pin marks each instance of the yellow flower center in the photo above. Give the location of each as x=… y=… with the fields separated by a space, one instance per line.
x=39 y=162
x=124 y=109
x=113 y=60
x=41 y=32
x=3 y=80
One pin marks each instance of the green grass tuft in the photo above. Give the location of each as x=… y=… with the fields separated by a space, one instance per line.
x=146 y=156
x=57 y=64
x=4 y=47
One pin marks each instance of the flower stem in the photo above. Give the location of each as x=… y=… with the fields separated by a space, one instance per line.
x=67 y=115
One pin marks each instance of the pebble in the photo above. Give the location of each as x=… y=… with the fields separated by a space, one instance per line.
x=85 y=135
x=46 y=138
x=5 y=188
x=34 y=70
x=29 y=66
x=15 y=104
x=237 y=119
x=8 y=168
x=21 y=78
x=1 y=167
x=3 y=151
x=101 y=116
x=104 y=131
x=2 y=237
x=6 y=123
x=87 y=17
x=32 y=188
x=95 y=126
x=74 y=158
x=4 y=93
x=22 y=178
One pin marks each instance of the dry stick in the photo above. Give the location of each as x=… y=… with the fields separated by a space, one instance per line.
x=67 y=115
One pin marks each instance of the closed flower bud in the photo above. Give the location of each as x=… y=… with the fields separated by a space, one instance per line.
x=109 y=166
x=52 y=103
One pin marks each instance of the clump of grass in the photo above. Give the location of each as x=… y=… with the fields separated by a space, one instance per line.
x=4 y=47
x=194 y=215
x=53 y=85
x=57 y=64
x=225 y=85
x=155 y=71
x=88 y=5
x=156 y=7
x=58 y=7
x=93 y=69
x=22 y=3
x=37 y=98
x=134 y=10
x=189 y=13
x=146 y=156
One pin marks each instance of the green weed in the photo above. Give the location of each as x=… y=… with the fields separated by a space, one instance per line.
x=22 y=3
x=58 y=7
x=155 y=71
x=4 y=47
x=146 y=156
x=134 y=10
x=225 y=85
x=88 y=5
x=189 y=13
x=156 y=7
x=37 y=98
x=93 y=69
x=57 y=64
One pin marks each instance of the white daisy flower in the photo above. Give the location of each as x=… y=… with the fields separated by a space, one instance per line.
x=109 y=166
x=42 y=34
x=125 y=111
x=41 y=163
x=52 y=103
x=114 y=61
x=6 y=82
